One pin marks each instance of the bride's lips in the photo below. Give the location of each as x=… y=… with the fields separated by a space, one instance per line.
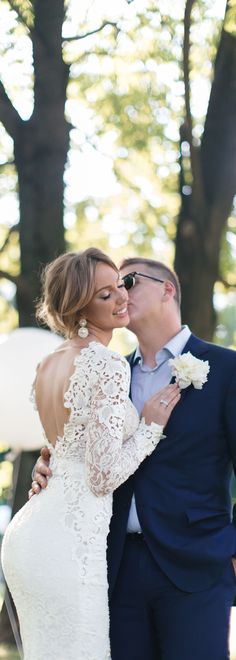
x=121 y=312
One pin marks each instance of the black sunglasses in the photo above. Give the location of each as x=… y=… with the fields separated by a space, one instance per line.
x=129 y=280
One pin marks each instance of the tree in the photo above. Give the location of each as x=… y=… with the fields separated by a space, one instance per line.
x=207 y=194
x=40 y=150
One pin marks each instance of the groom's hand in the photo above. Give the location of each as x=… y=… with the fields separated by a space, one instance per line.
x=234 y=564
x=41 y=473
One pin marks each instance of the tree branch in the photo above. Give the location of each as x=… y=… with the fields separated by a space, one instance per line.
x=8 y=162
x=11 y=230
x=7 y=276
x=21 y=15
x=9 y=116
x=227 y=284
x=88 y=34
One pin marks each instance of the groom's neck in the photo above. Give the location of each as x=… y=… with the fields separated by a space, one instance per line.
x=152 y=340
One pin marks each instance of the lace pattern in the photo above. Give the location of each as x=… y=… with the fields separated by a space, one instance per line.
x=54 y=550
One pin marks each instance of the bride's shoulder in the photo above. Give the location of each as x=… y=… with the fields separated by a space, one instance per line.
x=119 y=363
x=106 y=356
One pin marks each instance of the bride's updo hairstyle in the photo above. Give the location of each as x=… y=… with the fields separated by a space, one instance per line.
x=68 y=286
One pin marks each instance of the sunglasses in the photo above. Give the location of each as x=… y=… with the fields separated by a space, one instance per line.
x=130 y=279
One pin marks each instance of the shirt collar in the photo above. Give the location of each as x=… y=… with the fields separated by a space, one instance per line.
x=173 y=347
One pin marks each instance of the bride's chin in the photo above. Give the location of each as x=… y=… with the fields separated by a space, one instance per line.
x=122 y=322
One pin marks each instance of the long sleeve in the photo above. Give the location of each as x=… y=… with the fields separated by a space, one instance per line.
x=109 y=460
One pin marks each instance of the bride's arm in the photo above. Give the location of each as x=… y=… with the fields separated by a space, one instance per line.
x=109 y=461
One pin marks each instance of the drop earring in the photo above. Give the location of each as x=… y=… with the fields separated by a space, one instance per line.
x=83 y=331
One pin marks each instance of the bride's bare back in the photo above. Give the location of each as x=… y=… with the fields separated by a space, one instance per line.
x=52 y=382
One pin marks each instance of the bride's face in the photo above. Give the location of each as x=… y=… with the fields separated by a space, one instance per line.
x=108 y=308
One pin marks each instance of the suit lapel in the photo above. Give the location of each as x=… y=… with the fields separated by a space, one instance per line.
x=195 y=346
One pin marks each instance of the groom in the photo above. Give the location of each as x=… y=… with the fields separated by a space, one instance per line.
x=172 y=538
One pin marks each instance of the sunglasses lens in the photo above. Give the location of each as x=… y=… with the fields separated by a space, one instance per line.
x=129 y=281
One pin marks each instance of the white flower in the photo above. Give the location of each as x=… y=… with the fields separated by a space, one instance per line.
x=189 y=370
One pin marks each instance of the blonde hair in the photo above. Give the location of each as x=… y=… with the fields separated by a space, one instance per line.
x=68 y=287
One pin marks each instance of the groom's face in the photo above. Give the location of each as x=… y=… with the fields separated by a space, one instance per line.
x=145 y=297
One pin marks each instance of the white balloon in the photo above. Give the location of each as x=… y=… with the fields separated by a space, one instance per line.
x=20 y=353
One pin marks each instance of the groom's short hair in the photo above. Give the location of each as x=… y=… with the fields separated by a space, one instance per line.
x=160 y=269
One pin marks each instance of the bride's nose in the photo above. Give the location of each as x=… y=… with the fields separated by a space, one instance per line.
x=122 y=295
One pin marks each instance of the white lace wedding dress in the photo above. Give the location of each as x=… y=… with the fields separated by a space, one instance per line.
x=54 y=549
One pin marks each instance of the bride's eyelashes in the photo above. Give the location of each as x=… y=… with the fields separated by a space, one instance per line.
x=106 y=297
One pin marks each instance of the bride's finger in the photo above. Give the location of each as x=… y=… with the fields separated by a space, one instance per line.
x=171 y=387
x=172 y=395
x=172 y=403
x=165 y=395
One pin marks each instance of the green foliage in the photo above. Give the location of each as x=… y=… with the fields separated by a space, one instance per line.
x=226 y=329
x=8 y=652
x=9 y=263
x=228 y=252
x=6 y=469
x=24 y=11
x=134 y=92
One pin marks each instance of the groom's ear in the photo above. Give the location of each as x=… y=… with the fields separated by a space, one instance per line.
x=169 y=290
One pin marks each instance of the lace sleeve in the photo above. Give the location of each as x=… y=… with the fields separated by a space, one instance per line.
x=109 y=462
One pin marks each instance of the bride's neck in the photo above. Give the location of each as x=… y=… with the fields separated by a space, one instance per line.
x=99 y=336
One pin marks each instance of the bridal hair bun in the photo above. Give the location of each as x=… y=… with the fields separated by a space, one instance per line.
x=67 y=287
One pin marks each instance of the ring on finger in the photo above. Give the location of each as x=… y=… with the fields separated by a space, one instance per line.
x=163 y=402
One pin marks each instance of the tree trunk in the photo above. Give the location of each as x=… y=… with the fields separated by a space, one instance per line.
x=197 y=274
x=41 y=145
x=204 y=212
x=40 y=176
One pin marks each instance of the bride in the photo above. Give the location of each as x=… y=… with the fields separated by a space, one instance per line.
x=54 y=549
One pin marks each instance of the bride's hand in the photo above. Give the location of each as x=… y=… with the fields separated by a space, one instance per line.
x=159 y=407
x=41 y=473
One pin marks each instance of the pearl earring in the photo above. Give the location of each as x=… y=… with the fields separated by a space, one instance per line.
x=83 y=331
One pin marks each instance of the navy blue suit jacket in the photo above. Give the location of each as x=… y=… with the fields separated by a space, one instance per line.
x=182 y=490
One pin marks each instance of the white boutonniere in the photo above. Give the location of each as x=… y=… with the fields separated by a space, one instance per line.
x=189 y=370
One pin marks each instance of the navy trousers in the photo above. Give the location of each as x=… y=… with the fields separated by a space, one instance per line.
x=153 y=620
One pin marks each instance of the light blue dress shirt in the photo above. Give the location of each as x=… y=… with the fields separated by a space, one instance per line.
x=145 y=382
